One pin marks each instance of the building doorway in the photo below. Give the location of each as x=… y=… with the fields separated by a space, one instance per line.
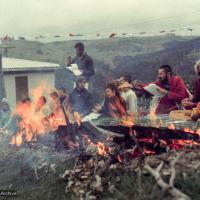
x=21 y=83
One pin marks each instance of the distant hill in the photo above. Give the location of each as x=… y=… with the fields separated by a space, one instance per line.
x=139 y=57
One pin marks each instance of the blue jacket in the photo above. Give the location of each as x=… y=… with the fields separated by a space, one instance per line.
x=80 y=101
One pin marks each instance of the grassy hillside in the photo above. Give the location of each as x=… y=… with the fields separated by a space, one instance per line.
x=139 y=57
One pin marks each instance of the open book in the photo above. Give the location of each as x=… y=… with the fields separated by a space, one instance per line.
x=153 y=89
x=74 y=69
x=91 y=116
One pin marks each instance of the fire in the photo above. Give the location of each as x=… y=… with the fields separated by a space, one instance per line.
x=36 y=116
x=128 y=121
x=153 y=116
x=186 y=129
x=171 y=126
x=101 y=149
x=148 y=152
x=77 y=118
x=34 y=122
x=17 y=140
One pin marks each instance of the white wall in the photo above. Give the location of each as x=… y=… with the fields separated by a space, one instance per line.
x=34 y=80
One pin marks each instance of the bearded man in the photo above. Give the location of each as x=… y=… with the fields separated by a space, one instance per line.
x=172 y=89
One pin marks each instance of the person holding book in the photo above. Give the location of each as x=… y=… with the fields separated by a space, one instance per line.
x=171 y=88
x=84 y=62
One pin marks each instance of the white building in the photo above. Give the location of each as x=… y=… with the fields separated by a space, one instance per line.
x=20 y=76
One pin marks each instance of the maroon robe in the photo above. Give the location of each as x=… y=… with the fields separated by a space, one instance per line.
x=176 y=93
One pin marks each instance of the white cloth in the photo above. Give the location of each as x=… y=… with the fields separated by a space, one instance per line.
x=91 y=116
x=74 y=69
x=131 y=101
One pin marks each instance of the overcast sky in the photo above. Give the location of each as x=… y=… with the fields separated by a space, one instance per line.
x=34 y=17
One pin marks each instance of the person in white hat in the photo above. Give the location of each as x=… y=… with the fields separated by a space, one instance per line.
x=129 y=96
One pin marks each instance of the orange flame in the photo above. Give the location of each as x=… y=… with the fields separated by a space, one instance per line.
x=128 y=121
x=147 y=151
x=17 y=140
x=77 y=118
x=171 y=126
x=35 y=116
x=101 y=149
x=153 y=117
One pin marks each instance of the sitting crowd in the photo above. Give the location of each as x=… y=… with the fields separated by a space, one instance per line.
x=121 y=99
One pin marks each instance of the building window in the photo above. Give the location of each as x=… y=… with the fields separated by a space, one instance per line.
x=21 y=83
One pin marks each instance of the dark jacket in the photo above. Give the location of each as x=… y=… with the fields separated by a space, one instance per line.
x=80 y=101
x=85 y=63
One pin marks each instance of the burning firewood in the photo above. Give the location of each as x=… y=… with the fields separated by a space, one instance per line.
x=153 y=132
x=100 y=170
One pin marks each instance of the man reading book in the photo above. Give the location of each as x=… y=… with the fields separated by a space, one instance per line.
x=172 y=90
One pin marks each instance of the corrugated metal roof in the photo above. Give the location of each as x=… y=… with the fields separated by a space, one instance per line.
x=14 y=64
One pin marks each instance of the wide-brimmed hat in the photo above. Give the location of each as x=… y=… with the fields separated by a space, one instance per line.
x=125 y=85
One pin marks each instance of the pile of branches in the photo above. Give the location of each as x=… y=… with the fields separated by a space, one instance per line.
x=93 y=176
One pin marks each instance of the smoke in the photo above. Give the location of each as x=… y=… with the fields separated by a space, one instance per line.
x=33 y=154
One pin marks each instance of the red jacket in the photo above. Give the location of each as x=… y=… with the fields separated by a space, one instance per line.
x=114 y=107
x=176 y=93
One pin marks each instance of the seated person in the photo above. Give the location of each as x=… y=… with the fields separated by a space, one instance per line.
x=64 y=101
x=63 y=96
x=54 y=101
x=172 y=89
x=129 y=96
x=5 y=113
x=190 y=103
x=143 y=98
x=114 y=105
x=125 y=78
x=40 y=105
x=58 y=116
x=24 y=108
x=121 y=79
x=80 y=99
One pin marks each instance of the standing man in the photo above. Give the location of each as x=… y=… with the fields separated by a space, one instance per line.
x=84 y=62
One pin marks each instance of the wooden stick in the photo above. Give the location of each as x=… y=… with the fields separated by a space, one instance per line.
x=166 y=187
